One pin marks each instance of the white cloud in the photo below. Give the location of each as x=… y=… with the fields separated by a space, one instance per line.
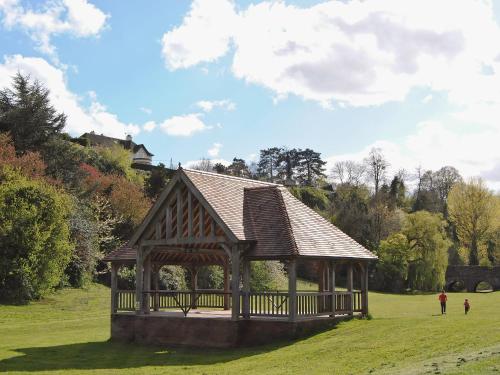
x=214 y=20
x=146 y=110
x=214 y=150
x=149 y=126
x=358 y=52
x=75 y=17
x=427 y=99
x=185 y=125
x=434 y=145
x=208 y=105
x=80 y=119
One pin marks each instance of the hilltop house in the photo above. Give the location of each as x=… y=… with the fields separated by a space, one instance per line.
x=141 y=157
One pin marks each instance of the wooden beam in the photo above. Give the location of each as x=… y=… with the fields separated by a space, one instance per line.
x=185 y=241
x=364 y=290
x=235 y=282
x=190 y=214
x=292 y=290
x=147 y=283
x=212 y=228
x=114 y=287
x=226 y=284
x=154 y=210
x=179 y=212
x=332 y=286
x=158 y=231
x=201 y=221
x=350 y=285
x=138 y=280
x=246 y=288
x=168 y=222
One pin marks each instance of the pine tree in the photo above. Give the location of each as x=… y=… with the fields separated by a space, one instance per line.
x=26 y=112
x=269 y=162
x=309 y=165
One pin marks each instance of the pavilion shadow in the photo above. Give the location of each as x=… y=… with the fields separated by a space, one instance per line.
x=114 y=355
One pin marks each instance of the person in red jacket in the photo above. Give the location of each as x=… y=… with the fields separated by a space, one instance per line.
x=466 y=306
x=443 y=298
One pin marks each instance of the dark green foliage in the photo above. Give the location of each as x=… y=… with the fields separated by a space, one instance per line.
x=310 y=166
x=35 y=243
x=86 y=254
x=238 y=168
x=268 y=163
x=26 y=112
x=63 y=159
x=156 y=181
x=266 y=275
x=173 y=278
x=219 y=168
x=211 y=277
x=314 y=198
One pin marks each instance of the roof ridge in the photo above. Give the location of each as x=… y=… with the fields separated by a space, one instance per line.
x=261 y=187
x=225 y=176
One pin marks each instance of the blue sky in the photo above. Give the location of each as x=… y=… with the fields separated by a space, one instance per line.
x=420 y=81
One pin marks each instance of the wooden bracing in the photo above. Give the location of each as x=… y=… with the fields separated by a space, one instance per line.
x=183 y=222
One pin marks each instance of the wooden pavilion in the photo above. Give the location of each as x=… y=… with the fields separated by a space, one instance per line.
x=204 y=218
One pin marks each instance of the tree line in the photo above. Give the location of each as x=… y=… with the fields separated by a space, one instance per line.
x=64 y=205
x=416 y=223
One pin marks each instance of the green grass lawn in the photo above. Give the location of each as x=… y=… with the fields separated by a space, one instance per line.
x=69 y=332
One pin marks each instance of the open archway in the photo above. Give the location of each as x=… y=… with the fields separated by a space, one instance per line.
x=483 y=287
x=456 y=286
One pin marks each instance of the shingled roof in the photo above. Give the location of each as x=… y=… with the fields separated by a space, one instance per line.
x=269 y=214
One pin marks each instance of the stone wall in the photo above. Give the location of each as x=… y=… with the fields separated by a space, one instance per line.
x=471 y=276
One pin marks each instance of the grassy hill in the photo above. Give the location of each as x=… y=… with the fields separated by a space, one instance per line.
x=69 y=332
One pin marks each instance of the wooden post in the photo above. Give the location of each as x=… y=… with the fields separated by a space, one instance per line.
x=194 y=286
x=114 y=287
x=321 y=284
x=226 y=285
x=364 y=289
x=156 y=286
x=235 y=282
x=246 y=288
x=138 y=280
x=292 y=289
x=147 y=283
x=349 y=287
x=332 y=287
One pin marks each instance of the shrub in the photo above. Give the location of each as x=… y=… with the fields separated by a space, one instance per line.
x=35 y=243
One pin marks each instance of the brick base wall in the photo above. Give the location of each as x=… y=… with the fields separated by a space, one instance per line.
x=210 y=332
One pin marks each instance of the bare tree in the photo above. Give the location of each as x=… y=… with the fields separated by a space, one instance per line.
x=338 y=171
x=349 y=172
x=376 y=166
x=203 y=165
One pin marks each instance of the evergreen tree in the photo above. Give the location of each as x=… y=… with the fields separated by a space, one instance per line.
x=269 y=162
x=156 y=181
x=310 y=166
x=26 y=112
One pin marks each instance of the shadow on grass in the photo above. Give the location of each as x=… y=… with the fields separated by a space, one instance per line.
x=115 y=355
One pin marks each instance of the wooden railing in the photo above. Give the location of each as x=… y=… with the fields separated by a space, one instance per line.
x=268 y=303
x=273 y=304
x=125 y=300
